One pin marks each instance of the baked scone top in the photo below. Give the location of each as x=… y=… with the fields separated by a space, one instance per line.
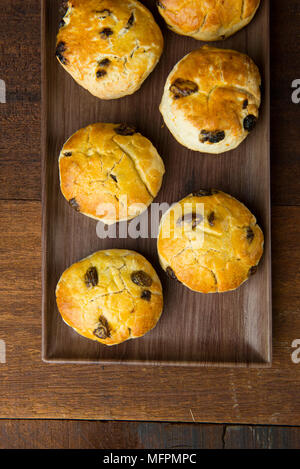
x=211 y=99
x=210 y=242
x=109 y=46
x=103 y=163
x=111 y=296
x=208 y=20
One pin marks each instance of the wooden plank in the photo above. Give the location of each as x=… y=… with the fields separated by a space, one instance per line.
x=20 y=115
x=249 y=437
x=33 y=389
x=285 y=67
x=233 y=339
x=63 y=434
x=49 y=434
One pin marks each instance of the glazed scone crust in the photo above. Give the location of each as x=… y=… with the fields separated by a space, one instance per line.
x=212 y=90
x=222 y=250
x=207 y=20
x=109 y=46
x=99 y=166
x=115 y=301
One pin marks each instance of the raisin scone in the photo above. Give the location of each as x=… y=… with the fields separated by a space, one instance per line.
x=110 y=172
x=108 y=46
x=210 y=242
x=211 y=99
x=111 y=296
x=207 y=20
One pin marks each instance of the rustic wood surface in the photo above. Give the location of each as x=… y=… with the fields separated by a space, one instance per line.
x=227 y=329
x=30 y=388
x=79 y=434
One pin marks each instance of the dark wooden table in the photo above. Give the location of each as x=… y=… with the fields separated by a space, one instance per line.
x=31 y=389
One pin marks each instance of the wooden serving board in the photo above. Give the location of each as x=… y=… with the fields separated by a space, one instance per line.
x=229 y=329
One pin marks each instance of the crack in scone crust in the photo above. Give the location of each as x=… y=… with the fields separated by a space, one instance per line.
x=103 y=164
x=109 y=46
x=208 y=20
x=211 y=99
x=214 y=257
x=116 y=308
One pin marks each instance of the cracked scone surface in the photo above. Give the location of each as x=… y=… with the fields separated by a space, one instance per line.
x=210 y=242
x=108 y=46
x=211 y=99
x=110 y=172
x=207 y=20
x=111 y=296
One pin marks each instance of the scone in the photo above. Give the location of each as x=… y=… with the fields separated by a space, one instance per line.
x=108 y=46
x=111 y=296
x=210 y=242
x=207 y=20
x=211 y=99
x=110 y=172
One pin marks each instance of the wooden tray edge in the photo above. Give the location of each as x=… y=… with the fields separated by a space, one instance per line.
x=267 y=362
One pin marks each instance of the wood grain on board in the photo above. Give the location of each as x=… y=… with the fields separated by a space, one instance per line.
x=30 y=388
x=230 y=329
x=62 y=434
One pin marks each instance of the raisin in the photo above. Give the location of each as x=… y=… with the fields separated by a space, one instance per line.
x=194 y=218
x=104 y=13
x=91 y=277
x=130 y=21
x=249 y=122
x=104 y=62
x=250 y=234
x=205 y=193
x=146 y=295
x=196 y=222
x=61 y=24
x=74 y=204
x=68 y=153
x=106 y=32
x=245 y=104
x=60 y=49
x=170 y=272
x=181 y=88
x=124 y=129
x=102 y=331
x=211 y=218
x=141 y=279
x=213 y=136
x=101 y=73
x=253 y=270
x=114 y=177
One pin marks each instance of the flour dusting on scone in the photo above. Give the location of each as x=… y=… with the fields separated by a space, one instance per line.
x=111 y=296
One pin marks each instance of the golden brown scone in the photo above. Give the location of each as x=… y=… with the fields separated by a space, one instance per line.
x=207 y=20
x=111 y=296
x=110 y=172
x=210 y=242
x=211 y=99
x=109 y=46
